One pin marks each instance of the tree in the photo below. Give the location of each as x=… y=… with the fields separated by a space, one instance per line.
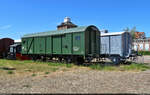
x=132 y=31
x=126 y=29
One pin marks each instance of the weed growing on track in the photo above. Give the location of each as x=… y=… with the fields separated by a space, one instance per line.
x=30 y=66
x=27 y=86
x=69 y=65
x=10 y=72
x=131 y=67
x=46 y=72
x=54 y=69
x=33 y=75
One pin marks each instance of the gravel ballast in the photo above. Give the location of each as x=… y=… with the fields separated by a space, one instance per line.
x=78 y=81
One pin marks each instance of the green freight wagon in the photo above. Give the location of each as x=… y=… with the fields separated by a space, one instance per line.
x=72 y=45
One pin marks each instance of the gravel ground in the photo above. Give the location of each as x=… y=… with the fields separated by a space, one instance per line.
x=145 y=59
x=77 y=81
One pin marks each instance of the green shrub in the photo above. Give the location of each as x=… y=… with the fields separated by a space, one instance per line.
x=69 y=65
x=27 y=86
x=54 y=69
x=131 y=67
x=139 y=67
x=144 y=52
x=33 y=75
x=46 y=72
x=96 y=66
x=10 y=72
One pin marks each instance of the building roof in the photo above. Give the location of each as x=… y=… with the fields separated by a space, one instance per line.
x=58 y=32
x=14 y=45
x=139 y=35
x=67 y=23
x=19 y=40
x=112 y=33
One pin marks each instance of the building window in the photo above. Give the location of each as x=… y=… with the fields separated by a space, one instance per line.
x=141 y=46
x=146 y=47
x=135 y=47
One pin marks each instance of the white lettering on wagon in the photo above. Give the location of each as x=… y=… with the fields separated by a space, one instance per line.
x=75 y=48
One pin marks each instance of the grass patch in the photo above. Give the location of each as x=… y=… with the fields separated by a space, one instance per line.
x=102 y=67
x=54 y=69
x=131 y=67
x=47 y=72
x=33 y=75
x=10 y=72
x=55 y=64
x=29 y=66
x=69 y=65
x=27 y=86
x=28 y=70
x=64 y=69
x=144 y=52
x=137 y=67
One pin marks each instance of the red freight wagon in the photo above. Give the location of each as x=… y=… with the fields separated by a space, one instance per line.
x=4 y=46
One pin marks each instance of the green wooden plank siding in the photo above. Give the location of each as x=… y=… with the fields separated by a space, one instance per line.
x=67 y=44
x=49 y=45
x=78 y=43
x=39 y=42
x=56 y=44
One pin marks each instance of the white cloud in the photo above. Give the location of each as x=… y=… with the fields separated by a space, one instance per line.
x=4 y=27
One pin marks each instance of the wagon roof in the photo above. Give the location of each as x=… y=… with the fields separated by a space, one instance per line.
x=58 y=32
x=113 y=33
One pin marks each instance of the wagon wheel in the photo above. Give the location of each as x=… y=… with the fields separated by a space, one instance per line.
x=79 y=61
x=60 y=59
x=43 y=58
x=68 y=60
x=34 y=58
x=134 y=59
x=115 y=60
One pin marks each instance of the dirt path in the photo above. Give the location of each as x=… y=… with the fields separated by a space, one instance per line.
x=143 y=59
x=78 y=81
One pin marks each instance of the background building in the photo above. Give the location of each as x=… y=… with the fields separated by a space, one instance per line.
x=66 y=24
x=140 y=35
x=141 y=44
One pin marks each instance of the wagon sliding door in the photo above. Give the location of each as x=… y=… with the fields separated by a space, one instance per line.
x=91 y=42
x=67 y=44
x=56 y=44
x=49 y=45
x=115 y=45
x=39 y=42
x=78 y=43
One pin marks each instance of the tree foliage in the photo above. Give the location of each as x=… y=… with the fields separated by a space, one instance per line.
x=132 y=31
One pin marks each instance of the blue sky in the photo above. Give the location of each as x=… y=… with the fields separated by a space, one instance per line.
x=19 y=17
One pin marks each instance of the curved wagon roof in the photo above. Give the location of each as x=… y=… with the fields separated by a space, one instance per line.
x=60 y=32
x=113 y=33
